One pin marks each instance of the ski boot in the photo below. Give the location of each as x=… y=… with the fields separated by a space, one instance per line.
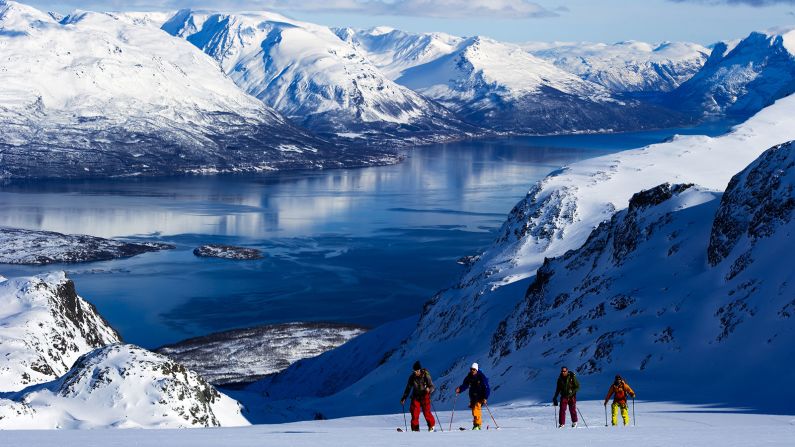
x=431 y=428
x=573 y=425
x=476 y=427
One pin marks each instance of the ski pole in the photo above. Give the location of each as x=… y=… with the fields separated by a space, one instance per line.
x=453 y=413
x=583 y=418
x=555 y=412
x=605 y=415
x=405 y=424
x=441 y=426
x=634 y=423
x=492 y=416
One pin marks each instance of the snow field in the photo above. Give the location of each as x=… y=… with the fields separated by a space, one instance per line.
x=522 y=424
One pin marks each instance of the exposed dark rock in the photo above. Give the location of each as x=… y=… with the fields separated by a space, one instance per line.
x=227 y=252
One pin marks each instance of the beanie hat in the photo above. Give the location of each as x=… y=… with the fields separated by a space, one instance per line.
x=475 y=366
x=417 y=366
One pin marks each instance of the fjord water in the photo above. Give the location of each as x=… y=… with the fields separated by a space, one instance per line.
x=361 y=246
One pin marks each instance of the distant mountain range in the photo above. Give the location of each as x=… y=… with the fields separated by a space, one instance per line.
x=114 y=94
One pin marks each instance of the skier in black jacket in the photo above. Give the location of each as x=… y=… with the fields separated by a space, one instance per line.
x=420 y=386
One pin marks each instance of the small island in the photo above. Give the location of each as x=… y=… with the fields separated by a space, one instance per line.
x=227 y=252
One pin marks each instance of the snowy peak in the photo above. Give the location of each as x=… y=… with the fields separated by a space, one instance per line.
x=308 y=73
x=394 y=51
x=22 y=18
x=740 y=78
x=629 y=66
x=122 y=386
x=44 y=327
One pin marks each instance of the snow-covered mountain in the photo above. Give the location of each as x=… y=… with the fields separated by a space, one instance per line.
x=394 y=51
x=310 y=75
x=480 y=317
x=121 y=386
x=501 y=86
x=44 y=327
x=742 y=77
x=629 y=66
x=98 y=95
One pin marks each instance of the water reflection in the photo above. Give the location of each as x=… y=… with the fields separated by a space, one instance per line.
x=466 y=178
x=361 y=246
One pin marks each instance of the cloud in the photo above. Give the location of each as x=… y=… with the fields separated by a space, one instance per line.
x=453 y=9
x=739 y=2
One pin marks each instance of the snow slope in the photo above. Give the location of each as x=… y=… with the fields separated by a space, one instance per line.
x=462 y=324
x=629 y=66
x=309 y=74
x=98 y=95
x=742 y=77
x=501 y=86
x=121 y=386
x=522 y=424
x=44 y=327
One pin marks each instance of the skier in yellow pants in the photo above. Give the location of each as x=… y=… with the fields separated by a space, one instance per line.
x=619 y=390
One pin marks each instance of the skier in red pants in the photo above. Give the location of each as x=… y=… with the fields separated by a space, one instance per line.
x=420 y=386
x=567 y=388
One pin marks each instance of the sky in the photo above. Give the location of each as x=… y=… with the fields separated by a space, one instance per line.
x=702 y=21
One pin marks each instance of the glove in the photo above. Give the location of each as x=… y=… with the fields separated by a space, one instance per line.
x=632 y=395
x=554 y=402
x=605 y=403
x=458 y=390
x=402 y=401
x=484 y=401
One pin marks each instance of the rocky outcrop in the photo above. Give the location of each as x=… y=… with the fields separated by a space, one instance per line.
x=757 y=201
x=44 y=327
x=123 y=386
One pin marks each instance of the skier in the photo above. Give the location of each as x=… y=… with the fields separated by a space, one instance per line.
x=479 y=392
x=567 y=388
x=619 y=390
x=420 y=386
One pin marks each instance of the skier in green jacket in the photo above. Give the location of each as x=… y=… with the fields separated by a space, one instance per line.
x=567 y=387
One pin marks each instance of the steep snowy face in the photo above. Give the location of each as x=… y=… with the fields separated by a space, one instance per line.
x=44 y=327
x=307 y=72
x=626 y=66
x=641 y=296
x=97 y=95
x=740 y=78
x=122 y=386
x=502 y=86
x=394 y=51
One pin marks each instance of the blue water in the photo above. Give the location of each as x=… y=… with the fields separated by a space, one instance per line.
x=361 y=246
